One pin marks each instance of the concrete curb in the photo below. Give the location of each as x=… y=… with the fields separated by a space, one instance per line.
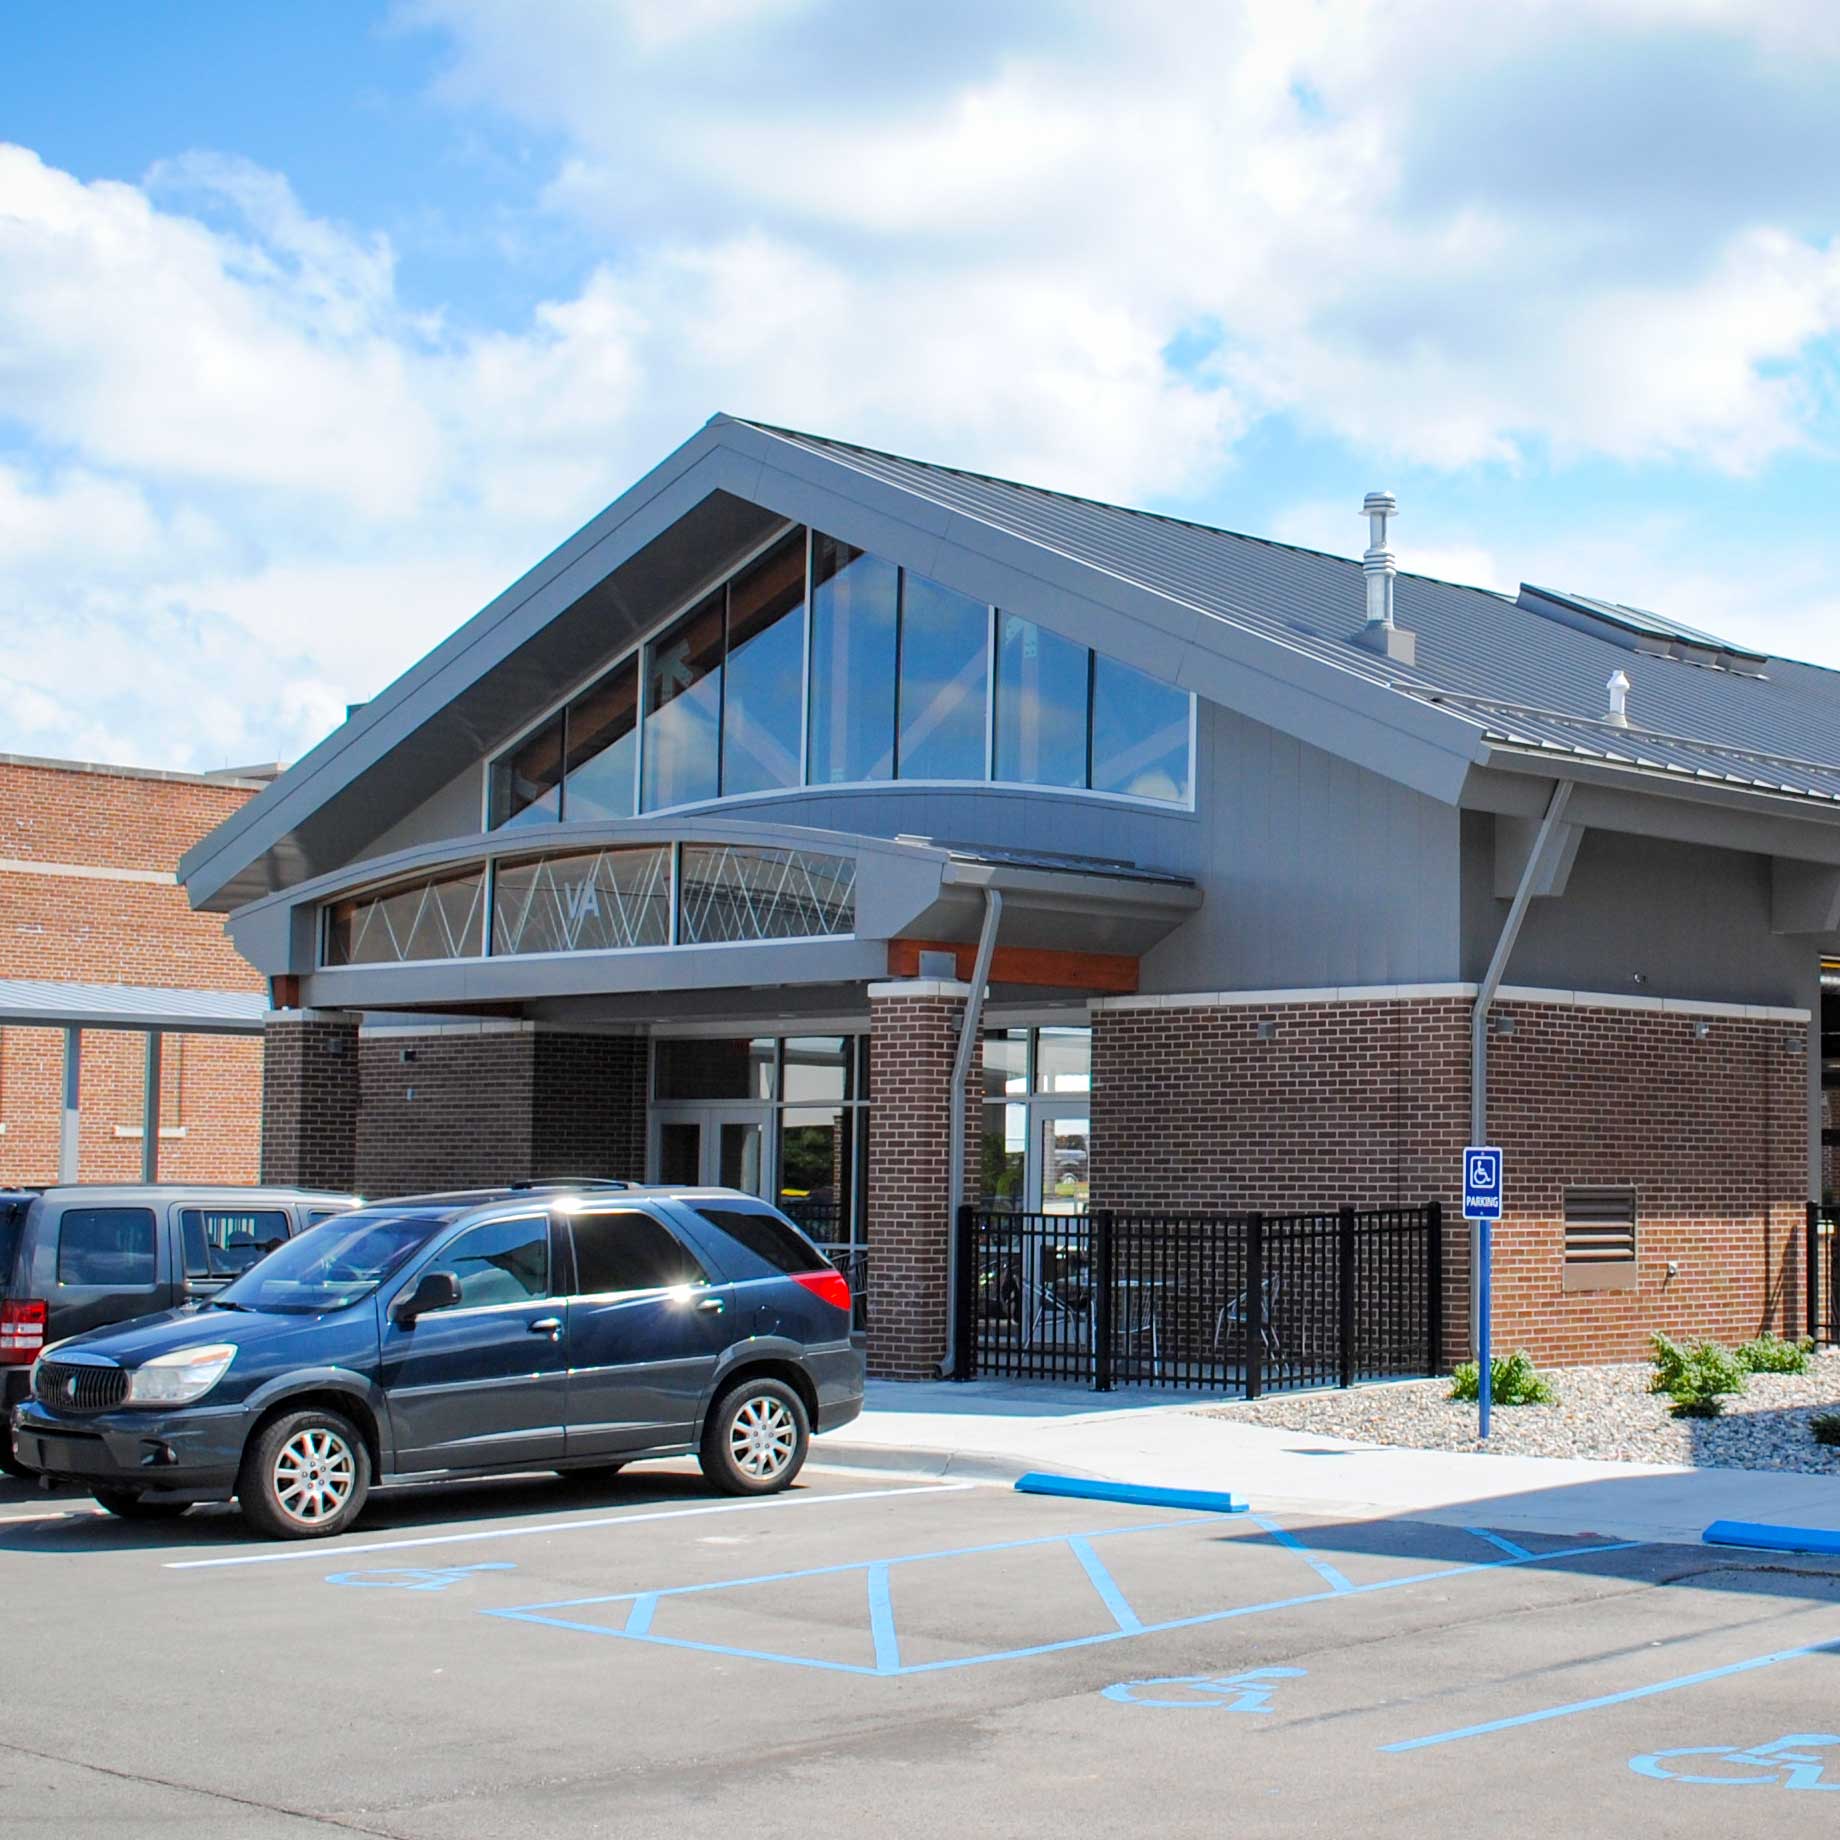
x=946 y=1465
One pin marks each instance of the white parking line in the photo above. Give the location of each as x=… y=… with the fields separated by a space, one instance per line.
x=326 y=1551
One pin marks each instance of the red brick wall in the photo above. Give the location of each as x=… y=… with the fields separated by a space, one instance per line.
x=101 y=931
x=1368 y=1103
x=912 y=1042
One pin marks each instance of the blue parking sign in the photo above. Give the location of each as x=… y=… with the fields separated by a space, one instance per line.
x=1481 y=1183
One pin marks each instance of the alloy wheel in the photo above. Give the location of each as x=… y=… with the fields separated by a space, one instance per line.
x=315 y=1473
x=762 y=1438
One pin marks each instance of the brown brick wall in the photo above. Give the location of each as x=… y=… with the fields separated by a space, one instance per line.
x=1368 y=1103
x=310 y=1100
x=498 y=1106
x=912 y=1041
x=81 y=929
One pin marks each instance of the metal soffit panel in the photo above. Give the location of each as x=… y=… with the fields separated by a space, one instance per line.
x=39 y=1003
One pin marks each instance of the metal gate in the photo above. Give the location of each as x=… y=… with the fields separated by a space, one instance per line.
x=1224 y=1303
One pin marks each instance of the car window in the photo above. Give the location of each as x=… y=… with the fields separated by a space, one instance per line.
x=221 y=1242
x=332 y=1266
x=12 y=1218
x=316 y=1215
x=504 y=1261
x=111 y=1246
x=768 y=1237
x=622 y=1249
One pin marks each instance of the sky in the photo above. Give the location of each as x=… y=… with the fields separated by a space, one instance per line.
x=318 y=326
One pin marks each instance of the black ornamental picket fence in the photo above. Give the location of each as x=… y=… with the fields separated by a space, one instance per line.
x=1225 y=1303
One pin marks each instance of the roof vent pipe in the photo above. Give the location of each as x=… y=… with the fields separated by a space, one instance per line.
x=1379 y=565
x=1618 y=686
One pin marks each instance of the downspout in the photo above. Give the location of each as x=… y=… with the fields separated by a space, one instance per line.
x=955 y=1127
x=1485 y=997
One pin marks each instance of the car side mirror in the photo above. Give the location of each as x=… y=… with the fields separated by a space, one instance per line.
x=436 y=1290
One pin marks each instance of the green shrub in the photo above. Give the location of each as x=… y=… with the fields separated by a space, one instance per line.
x=1770 y=1354
x=1697 y=1379
x=1826 y=1428
x=1512 y=1382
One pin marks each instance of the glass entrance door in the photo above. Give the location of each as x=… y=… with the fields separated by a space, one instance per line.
x=1060 y=1172
x=712 y=1147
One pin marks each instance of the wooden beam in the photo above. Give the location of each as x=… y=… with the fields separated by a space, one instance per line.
x=1111 y=974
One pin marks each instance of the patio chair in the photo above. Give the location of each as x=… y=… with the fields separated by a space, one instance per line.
x=1237 y=1312
x=1048 y=1305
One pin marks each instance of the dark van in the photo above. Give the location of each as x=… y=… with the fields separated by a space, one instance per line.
x=88 y=1255
x=463 y=1335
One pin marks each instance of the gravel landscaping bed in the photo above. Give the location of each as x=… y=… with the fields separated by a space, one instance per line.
x=1599 y=1412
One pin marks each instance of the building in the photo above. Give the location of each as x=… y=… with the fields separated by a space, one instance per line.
x=696 y=852
x=106 y=975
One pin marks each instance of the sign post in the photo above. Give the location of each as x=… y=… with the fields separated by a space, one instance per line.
x=1482 y=1204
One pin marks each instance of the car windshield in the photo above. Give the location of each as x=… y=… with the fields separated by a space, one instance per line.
x=333 y=1265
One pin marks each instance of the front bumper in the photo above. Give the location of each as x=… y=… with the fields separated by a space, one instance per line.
x=195 y=1451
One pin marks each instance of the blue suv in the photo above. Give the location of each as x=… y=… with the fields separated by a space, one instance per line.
x=567 y=1328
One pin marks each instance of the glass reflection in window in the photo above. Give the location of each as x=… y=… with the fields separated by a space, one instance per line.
x=1063 y=1061
x=1041 y=705
x=683 y=701
x=766 y=656
x=1006 y=1062
x=1003 y=1167
x=1139 y=734
x=817 y=1068
x=945 y=644
x=527 y=782
x=817 y=1159
x=603 y=747
x=852 y=663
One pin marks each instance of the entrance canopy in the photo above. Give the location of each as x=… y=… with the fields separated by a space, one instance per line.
x=35 y=1003
x=631 y=919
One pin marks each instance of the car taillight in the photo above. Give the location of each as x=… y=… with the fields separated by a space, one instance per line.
x=832 y=1286
x=22 y=1331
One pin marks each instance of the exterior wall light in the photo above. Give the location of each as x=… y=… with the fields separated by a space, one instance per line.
x=1268 y=1030
x=1701 y=1030
x=1501 y=1025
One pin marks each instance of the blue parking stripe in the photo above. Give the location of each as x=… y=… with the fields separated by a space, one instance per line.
x=1328 y=1573
x=881 y=1622
x=639 y=1618
x=1500 y=1541
x=1103 y=1582
x=1616 y=1699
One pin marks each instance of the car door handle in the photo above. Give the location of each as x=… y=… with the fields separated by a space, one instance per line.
x=712 y=1304
x=547 y=1325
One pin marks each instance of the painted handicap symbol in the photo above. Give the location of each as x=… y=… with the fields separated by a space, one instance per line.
x=1247 y=1692
x=417 y=1577
x=1791 y=1762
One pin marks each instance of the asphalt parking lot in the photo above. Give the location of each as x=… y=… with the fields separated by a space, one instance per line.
x=875 y=1654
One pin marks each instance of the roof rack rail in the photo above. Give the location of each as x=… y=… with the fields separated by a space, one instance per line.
x=568 y=1182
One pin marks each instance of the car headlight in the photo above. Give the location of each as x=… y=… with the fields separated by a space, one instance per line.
x=178 y=1378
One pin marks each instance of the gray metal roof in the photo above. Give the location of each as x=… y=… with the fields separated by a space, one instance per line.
x=39 y=1003
x=1523 y=679
x=1255 y=625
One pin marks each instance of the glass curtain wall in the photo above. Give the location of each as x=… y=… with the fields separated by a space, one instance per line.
x=892 y=676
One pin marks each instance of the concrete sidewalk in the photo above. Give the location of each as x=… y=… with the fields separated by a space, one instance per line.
x=996 y=1430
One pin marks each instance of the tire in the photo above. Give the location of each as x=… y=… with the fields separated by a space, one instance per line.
x=305 y=1476
x=755 y=1438
x=131 y=1505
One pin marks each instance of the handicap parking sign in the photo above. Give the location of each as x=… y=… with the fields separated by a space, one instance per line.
x=1481 y=1183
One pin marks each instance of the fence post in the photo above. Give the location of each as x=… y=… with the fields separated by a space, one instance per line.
x=1344 y=1273
x=964 y=1353
x=1434 y=1280
x=1811 y=1265
x=1255 y=1305
x=1102 y=1300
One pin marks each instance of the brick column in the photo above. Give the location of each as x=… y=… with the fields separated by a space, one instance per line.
x=310 y=1098
x=913 y=1038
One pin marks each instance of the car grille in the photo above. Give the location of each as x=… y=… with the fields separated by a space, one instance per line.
x=74 y=1388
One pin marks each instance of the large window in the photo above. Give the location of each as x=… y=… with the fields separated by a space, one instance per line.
x=945 y=658
x=438 y=916
x=855 y=598
x=683 y=708
x=819 y=664
x=766 y=663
